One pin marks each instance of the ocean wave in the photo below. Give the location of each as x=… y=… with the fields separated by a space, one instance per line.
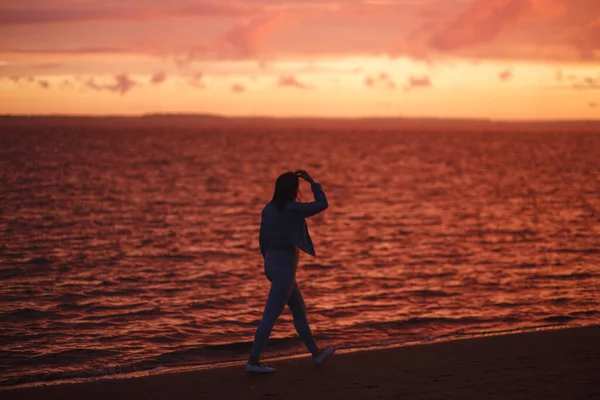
x=68 y=357
x=145 y=313
x=418 y=322
x=432 y=293
x=26 y=314
x=572 y=276
x=561 y=319
x=98 y=249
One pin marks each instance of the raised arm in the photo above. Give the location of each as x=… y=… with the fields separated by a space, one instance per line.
x=314 y=207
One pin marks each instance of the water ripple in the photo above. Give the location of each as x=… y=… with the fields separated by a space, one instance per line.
x=123 y=248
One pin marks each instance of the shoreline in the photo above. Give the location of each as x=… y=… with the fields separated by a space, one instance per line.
x=166 y=369
x=529 y=358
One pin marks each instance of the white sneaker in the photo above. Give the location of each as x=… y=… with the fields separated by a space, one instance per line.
x=325 y=354
x=259 y=369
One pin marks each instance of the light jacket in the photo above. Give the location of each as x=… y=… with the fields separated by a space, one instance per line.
x=284 y=229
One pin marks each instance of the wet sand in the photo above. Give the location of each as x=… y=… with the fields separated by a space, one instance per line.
x=556 y=364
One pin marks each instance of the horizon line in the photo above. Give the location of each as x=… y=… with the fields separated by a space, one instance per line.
x=306 y=118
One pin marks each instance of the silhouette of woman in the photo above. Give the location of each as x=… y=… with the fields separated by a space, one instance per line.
x=283 y=232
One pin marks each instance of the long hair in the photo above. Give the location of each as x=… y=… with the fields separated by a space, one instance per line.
x=286 y=190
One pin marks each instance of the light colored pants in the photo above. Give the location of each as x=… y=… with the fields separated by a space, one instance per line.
x=280 y=269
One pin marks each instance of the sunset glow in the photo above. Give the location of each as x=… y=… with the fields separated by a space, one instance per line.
x=501 y=59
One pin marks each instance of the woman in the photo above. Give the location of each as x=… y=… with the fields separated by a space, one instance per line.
x=283 y=232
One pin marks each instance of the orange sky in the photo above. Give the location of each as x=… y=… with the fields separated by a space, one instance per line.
x=502 y=59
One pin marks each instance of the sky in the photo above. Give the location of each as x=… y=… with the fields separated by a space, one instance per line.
x=499 y=59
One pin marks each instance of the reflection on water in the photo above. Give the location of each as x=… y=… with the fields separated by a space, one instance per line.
x=128 y=248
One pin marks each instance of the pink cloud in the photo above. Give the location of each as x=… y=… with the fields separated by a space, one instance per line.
x=67 y=84
x=74 y=51
x=122 y=84
x=427 y=30
x=43 y=84
x=587 y=83
x=238 y=88
x=383 y=77
x=197 y=80
x=201 y=50
x=381 y=80
x=523 y=29
x=48 y=65
x=158 y=78
x=117 y=11
x=291 y=81
x=579 y=83
x=480 y=23
x=418 y=82
x=19 y=78
x=245 y=38
x=24 y=16
x=413 y=46
x=515 y=29
x=587 y=39
x=571 y=81
x=505 y=75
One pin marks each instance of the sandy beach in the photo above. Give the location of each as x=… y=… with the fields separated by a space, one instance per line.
x=555 y=364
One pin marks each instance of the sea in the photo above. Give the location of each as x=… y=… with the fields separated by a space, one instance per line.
x=131 y=244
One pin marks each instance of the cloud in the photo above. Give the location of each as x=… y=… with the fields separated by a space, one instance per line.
x=201 y=50
x=418 y=82
x=587 y=40
x=424 y=30
x=413 y=46
x=158 y=78
x=196 y=80
x=291 y=81
x=587 y=83
x=19 y=78
x=506 y=75
x=122 y=11
x=593 y=104
x=47 y=66
x=551 y=30
x=245 y=38
x=480 y=23
x=381 y=80
x=238 y=88
x=72 y=51
x=122 y=84
x=43 y=84
x=484 y=20
x=67 y=84
x=570 y=81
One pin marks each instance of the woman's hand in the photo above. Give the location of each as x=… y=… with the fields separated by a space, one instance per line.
x=304 y=175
